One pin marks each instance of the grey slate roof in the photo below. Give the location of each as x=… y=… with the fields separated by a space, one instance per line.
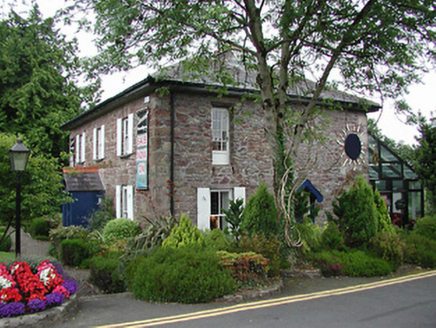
x=83 y=181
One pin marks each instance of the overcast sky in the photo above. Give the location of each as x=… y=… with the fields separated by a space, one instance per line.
x=420 y=97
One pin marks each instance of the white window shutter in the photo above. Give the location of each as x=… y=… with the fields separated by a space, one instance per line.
x=83 y=150
x=239 y=193
x=77 y=147
x=119 y=136
x=102 y=142
x=118 y=190
x=203 y=208
x=130 y=134
x=94 y=144
x=130 y=214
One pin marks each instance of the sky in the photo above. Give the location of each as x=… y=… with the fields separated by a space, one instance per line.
x=420 y=96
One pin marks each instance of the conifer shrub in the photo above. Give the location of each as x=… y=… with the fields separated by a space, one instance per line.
x=119 y=229
x=269 y=247
x=73 y=252
x=39 y=228
x=426 y=227
x=357 y=215
x=332 y=238
x=105 y=274
x=384 y=219
x=311 y=235
x=183 y=274
x=260 y=214
x=184 y=234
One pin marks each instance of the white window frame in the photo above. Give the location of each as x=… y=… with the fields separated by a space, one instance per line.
x=125 y=135
x=124 y=201
x=220 y=125
x=204 y=204
x=80 y=148
x=72 y=152
x=98 y=143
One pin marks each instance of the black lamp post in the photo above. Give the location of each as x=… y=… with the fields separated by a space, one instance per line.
x=19 y=156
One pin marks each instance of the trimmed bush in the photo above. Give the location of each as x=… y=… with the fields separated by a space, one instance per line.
x=269 y=247
x=60 y=234
x=260 y=214
x=73 y=252
x=104 y=274
x=39 y=228
x=119 y=229
x=183 y=274
x=426 y=227
x=419 y=250
x=352 y=264
x=218 y=240
x=5 y=245
x=250 y=269
x=388 y=246
x=184 y=234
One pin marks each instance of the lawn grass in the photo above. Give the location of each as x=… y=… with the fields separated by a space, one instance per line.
x=4 y=256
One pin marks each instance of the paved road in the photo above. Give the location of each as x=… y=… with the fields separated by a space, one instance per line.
x=401 y=302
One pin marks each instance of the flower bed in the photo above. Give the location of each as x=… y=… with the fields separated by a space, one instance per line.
x=24 y=290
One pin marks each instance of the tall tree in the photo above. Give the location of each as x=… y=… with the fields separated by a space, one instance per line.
x=378 y=46
x=425 y=161
x=38 y=81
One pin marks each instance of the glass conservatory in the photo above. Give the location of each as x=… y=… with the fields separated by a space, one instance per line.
x=397 y=183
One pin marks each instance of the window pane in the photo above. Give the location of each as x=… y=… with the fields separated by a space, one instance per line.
x=214 y=203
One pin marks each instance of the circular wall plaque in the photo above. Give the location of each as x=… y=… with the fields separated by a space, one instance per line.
x=353 y=146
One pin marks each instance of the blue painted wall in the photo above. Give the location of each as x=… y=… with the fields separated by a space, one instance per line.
x=84 y=203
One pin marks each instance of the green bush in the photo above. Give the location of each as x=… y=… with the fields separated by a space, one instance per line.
x=269 y=247
x=119 y=229
x=5 y=242
x=234 y=217
x=419 y=250
x=63 y=233
x=357 y=215
x=353 y=264
x=311 y=235
x=332 y=238
x=384 y=219
x=98 y=218
x=249 y=269
x=184 y=234
x=260 y=214
x=426 y=227
x=218 y=240
x=183 y=274
x=39 y=227
x=388 y=246
x=105 y=274
x=73 y=252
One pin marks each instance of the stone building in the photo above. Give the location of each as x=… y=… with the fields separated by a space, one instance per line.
x=191 y=149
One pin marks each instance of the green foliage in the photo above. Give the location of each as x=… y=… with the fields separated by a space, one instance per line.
x=357 y=215
x=5 y=240
x=39 y=71
x=183 y=274
x=184 y=234
x=260 y=214
x=119 y=229
x=39 y=227
x=269 y=247
x=426 y=227
x=353 y=264
x=218 y=240
x=104 y=273
x=98 y=218
x=384 y=219
x=388 y=246
x=63 y=233
x=332 y=238
x=41 y=184
x=311 y=235
x=234 y=217
x=249 y=269
x=73 y=252
x=419 y=250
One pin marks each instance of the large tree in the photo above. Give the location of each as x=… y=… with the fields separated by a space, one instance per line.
x=38 y=81
x=377 y=46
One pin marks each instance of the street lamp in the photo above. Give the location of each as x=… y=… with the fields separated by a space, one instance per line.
x=19 y=156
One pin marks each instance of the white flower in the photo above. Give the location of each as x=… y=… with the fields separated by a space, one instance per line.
x=5 y=283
